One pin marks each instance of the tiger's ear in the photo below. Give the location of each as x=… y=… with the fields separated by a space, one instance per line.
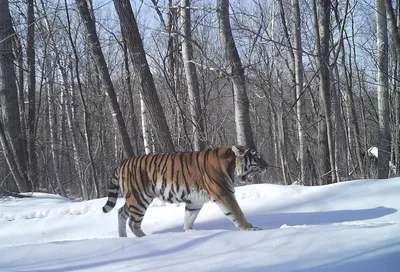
x=239 y=150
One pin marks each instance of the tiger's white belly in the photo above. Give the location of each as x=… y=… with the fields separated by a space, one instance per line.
x=199 y=197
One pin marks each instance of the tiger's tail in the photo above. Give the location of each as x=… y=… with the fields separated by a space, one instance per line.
x=113 y=189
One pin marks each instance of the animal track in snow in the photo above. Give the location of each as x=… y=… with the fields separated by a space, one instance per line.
x=44 y=213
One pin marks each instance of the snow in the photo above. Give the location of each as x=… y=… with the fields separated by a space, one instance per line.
x=350 y=226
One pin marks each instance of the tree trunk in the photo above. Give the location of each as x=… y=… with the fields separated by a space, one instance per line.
x=12 y=164
x=11 y=124
x=145 y=127
x=298 y=65
x=191 y=79
x=135 y=124
x=156 y=115
x=383 y=91
x=52 y=126
x=322 y=24
x=391 y=17
x=31 y=122
x=104 y=74
x=244 y=133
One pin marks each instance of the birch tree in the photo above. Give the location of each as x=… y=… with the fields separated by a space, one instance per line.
x=244 y=132
x=298 y=69
x=191 y=78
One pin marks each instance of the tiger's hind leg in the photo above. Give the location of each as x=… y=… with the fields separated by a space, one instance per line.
x=191 y=212
x=136 y=214
x=135 y=223
x=122 y=218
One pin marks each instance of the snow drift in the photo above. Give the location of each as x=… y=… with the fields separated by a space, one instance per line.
x=350 y=226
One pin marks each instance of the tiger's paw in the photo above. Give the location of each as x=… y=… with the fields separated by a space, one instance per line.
x=252 y=229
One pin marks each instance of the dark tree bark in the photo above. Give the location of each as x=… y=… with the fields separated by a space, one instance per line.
x=322 y=23
x=12 y=139
x=244 y=133
x=31 y=122
x=155 y=111
x=395 y=33
x=383 y=90
x=104 y=74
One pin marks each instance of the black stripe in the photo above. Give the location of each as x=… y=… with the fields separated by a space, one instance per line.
x=115 y=174
x=136 y=221
x=192 y=210
x=228 y=214
x=160 y=161
x=191 y=157
x=197 y=161
x=137 y=213
x=110 y=203
x=145 y=161
x=113 y=186
x=170 y=196
x=163 y=185
x=187 y=165
x=172 y=167
x=187 y=187
x=223 y=185
x=110 y=194
x=164 y=167
x=144 y=184
x=205 y=163
x=151 y=163
x=138 y=200
x=132 y=208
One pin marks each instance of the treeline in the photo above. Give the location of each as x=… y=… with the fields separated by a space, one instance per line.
x=310 y=84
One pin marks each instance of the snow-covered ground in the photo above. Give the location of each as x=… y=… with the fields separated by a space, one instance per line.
x=352 y=226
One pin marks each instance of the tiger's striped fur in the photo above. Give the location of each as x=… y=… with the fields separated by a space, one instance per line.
x=192 y=177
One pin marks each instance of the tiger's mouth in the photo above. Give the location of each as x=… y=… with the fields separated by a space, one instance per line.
x=252 y=173
x=247 y=175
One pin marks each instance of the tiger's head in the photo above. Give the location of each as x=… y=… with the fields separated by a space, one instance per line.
x=248 y=162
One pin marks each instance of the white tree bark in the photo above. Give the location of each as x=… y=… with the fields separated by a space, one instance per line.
x=145 y=127
x=191 y=78
x=298 y=65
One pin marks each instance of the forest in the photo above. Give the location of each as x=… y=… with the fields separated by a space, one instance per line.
x=312 y=85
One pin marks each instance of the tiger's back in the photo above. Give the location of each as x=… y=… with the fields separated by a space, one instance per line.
x=190 y=177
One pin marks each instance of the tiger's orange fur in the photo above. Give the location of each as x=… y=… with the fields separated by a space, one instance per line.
x=190 y=177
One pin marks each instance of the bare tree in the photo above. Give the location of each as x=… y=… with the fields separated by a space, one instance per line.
x=298 y=69
x=322 y=32
x=191 y=78
x=395 y=33
x=244 y=132
x=134 y=42
x=383 y=90
x=11 y=138
x=104 y=73
x=31 y=122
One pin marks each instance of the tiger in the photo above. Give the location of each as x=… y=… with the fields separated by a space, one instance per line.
x=193 y=178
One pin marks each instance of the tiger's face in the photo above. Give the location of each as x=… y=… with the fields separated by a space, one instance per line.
x=251 y=160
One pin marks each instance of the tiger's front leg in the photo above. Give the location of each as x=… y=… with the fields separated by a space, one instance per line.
x=191 y=212
x=231 y=208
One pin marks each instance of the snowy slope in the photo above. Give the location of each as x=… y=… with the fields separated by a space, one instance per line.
x=352 y=226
